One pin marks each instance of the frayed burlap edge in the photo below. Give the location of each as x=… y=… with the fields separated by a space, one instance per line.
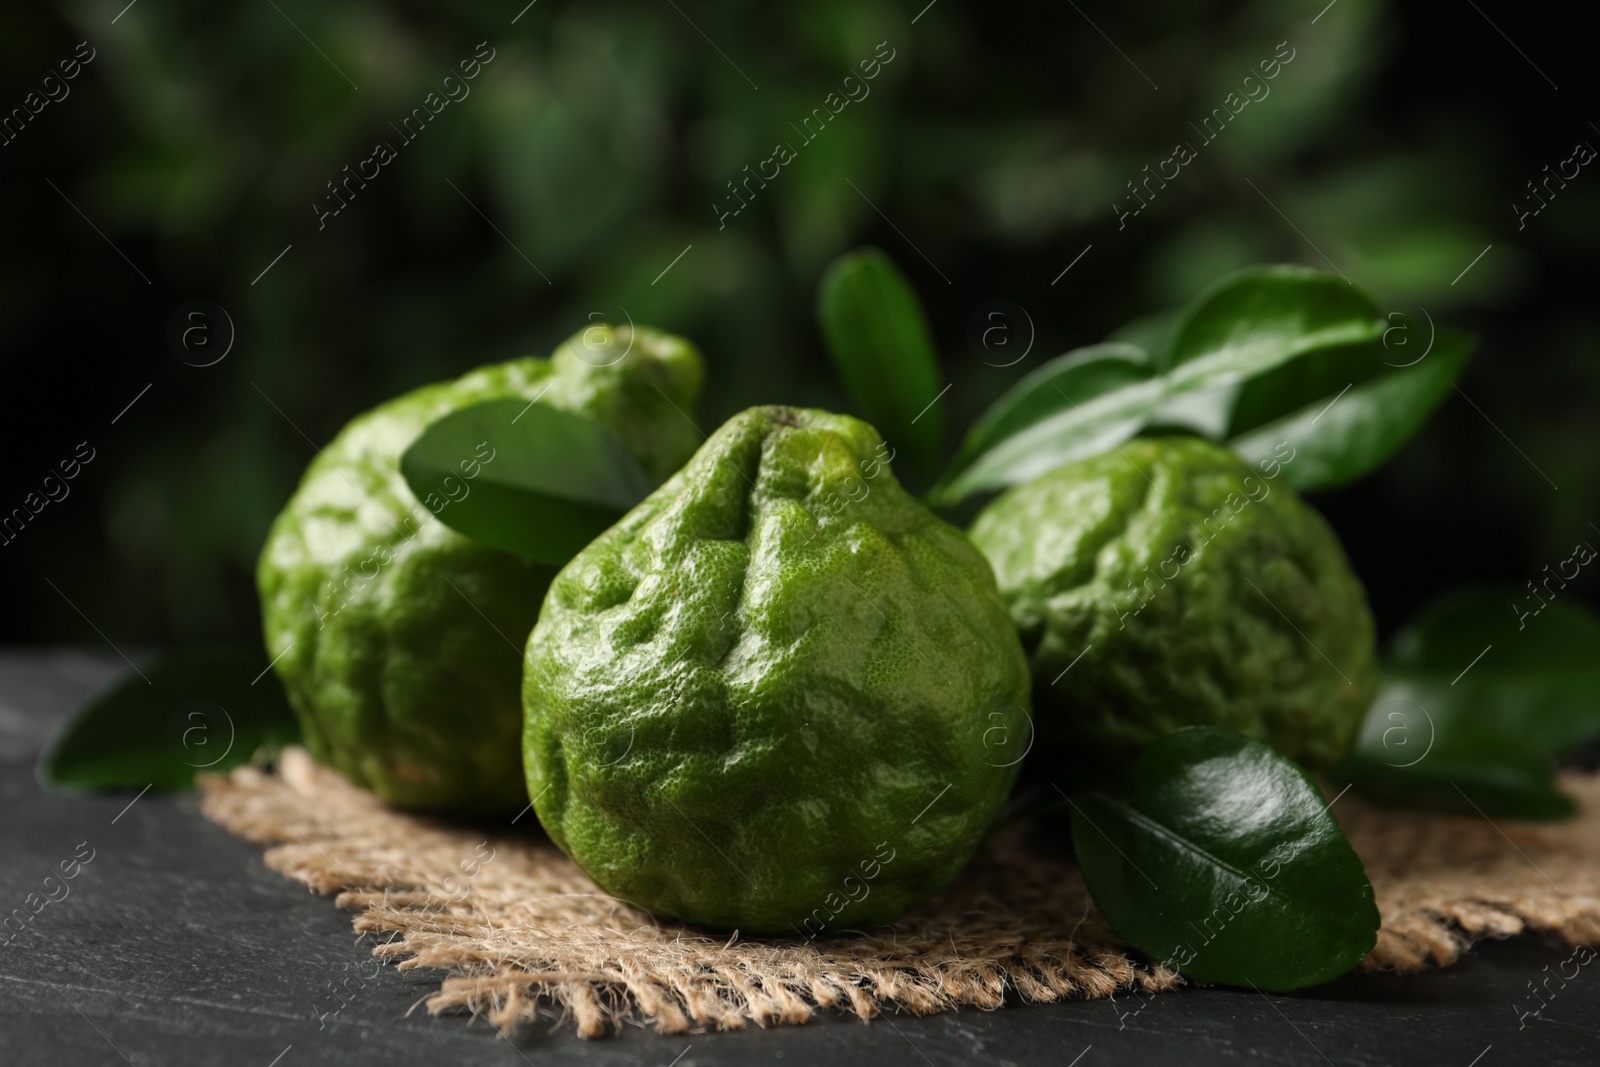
x=524 y=932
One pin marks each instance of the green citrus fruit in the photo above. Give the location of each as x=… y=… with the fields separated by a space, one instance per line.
x=398 y=639
x=1167 y=584
x=780 y=695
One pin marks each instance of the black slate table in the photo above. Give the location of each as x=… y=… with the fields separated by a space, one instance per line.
x=176 y=946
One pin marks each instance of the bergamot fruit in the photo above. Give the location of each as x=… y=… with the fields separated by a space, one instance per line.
x=1168 y=584
x=398 y=639
x=779 y=696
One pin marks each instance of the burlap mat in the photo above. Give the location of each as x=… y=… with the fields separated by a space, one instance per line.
x=524 y=932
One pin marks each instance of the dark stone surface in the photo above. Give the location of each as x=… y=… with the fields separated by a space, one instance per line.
x=176 y=946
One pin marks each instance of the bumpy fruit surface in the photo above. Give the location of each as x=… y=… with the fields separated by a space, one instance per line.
x=780 y=695
x=397 y=638
x=1167 y=584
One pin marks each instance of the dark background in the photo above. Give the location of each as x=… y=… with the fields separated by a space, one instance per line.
x=596 y=141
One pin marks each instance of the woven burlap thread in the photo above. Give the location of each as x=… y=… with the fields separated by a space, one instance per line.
x=522 y=932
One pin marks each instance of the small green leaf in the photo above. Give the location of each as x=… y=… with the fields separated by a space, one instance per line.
x=1205 y=412
x=1261 y=342
x=1485 y=688
x=1202 y=412
x=1220 y=859
x=523 y=477
x=190 y=711
x=1073 y=432
x=879 y=340
x=1311 y=381
x=1425 y=744
x=1262 y=317
x=1356 y=427
x=1525 y=664
x=1078 y=377
x=1248 y=326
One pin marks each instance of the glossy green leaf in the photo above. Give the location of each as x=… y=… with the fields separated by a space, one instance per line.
x=187 y=712
x=524 y=477
x=1262 y=317
x=1074 y=431
x=1078 y=377
x=1248 y=326
x=1289 y=326
x=1426 y=743
x=1220 y=859
x=1204 y=412
x=1355 y=428
x=879 y=340
x=1308 y=382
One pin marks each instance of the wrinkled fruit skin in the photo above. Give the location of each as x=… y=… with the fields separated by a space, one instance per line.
x=1181 y=577
x=780 y=696
x=398 y=636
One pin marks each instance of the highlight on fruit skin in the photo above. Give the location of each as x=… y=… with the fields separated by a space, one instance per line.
x=1166 y=584
x=780 y=695
x=386 y=626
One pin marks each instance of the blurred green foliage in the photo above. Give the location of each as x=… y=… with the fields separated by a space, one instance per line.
x=596 y=146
